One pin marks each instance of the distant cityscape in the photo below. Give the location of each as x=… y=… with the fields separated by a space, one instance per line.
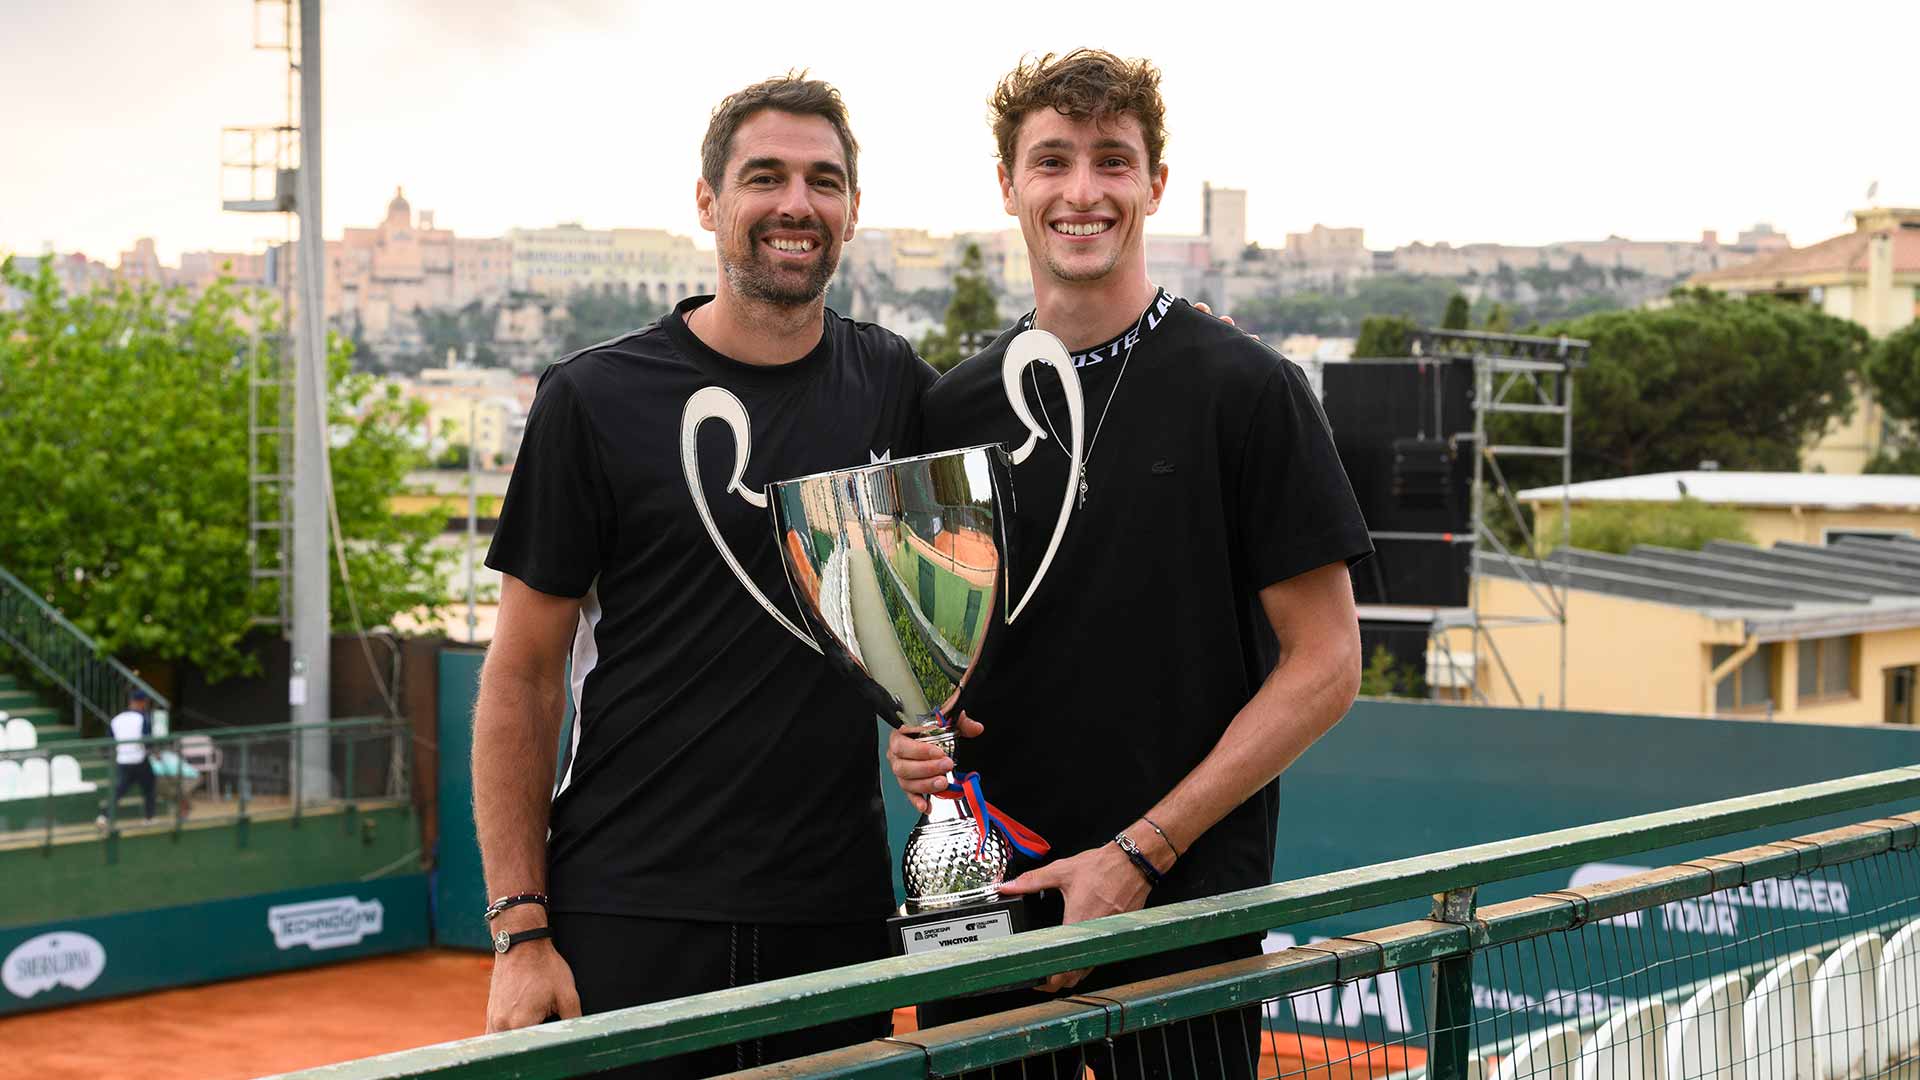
x=464 y=322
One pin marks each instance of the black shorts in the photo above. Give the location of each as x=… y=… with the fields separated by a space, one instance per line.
x=619 y=961
x=1223 y=1045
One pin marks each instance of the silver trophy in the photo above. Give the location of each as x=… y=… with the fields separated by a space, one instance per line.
x=896 y=567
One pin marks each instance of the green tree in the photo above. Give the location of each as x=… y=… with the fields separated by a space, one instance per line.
x=1384 y=335
x=123 y=470
x=1382 y=677
x=1686 y=525
x=1747 y=383
x=593 y=316
x=970 y=314
x=1892 y=373
x=1459 y=313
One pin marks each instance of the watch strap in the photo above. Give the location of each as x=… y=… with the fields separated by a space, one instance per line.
x=502 y=941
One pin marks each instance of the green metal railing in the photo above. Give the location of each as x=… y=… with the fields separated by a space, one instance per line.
x=1448 y=941
x=65 y=655
x=232 y=774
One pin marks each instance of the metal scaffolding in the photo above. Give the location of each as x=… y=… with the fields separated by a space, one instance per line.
x=1515 y=375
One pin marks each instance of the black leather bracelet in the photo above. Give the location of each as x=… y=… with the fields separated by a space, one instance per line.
x=494 y=909
x=1140 y=862
x=502 y=941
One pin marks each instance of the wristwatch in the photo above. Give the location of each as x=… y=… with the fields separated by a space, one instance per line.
x=502 y=941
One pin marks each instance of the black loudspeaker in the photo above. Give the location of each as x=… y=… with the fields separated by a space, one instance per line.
x=1422 y=472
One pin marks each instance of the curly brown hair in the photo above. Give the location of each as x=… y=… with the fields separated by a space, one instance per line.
x=790 y=93
x=1084 y=84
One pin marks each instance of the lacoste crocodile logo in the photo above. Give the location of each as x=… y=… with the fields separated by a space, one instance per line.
x=1163 y=468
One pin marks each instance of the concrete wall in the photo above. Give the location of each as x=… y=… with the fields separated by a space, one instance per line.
x=1638 y=656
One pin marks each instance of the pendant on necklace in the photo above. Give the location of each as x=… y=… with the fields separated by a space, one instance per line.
x=1083 y=485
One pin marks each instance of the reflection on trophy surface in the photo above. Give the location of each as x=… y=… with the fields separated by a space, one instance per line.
x=896 y=567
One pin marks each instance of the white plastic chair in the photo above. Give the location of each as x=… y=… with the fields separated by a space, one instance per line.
x=33 y=779
x=66 y=776
x=1547 y=1055
x=1704 y=1040
x=201 y=752
x=1846 y=1010
x=9 y=779
x=1898 y=991
x=1629 y=1046
x=20 y=734
x=1778 y=1021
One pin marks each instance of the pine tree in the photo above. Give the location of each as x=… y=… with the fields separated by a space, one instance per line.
x=970 y=314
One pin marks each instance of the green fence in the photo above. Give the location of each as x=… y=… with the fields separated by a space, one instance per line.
x=64 y=790
x=1446 y=954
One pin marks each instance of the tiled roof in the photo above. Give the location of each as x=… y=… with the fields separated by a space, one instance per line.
x=1842 y=254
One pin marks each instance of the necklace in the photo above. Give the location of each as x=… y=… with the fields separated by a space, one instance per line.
x=1086 y=458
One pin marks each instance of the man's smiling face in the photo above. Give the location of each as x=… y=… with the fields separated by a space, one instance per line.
x=1082 y=190
x=783 y=210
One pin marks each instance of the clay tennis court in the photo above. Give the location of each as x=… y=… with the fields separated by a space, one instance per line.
x=278 y=1023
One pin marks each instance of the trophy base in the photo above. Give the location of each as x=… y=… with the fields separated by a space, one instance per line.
x=930 y=931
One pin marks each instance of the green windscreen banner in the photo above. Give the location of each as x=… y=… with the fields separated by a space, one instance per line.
x=63 y=962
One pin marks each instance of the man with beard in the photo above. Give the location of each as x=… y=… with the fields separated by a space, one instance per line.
x=1201 y=591
x=718 y=820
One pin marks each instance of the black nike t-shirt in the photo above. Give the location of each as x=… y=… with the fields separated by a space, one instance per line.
x=1212 y=476
x=719 y=770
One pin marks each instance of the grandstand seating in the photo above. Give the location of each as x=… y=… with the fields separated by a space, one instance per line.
x=34 y=779
x=1705 y=1041
x=1547 y=1055
x=21 y=734
x=66 y=778
x=1851 y=1014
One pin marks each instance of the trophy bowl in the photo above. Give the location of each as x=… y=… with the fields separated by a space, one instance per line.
x=895 y=568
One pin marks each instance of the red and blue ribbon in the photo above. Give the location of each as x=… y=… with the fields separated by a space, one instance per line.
x=988 y=816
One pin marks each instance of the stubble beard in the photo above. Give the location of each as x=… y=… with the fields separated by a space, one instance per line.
x=757 y=278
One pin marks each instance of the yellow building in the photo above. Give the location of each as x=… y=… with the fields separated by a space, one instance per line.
x=1870 y=276
x=1789 y=632
x=1806 y=508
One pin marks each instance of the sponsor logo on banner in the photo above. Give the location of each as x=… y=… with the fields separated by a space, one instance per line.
x=1718 y=914
x=324 y=924
x=61 y=958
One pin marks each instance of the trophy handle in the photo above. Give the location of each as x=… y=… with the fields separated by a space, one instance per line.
x=716 y=403
x=1031 y=347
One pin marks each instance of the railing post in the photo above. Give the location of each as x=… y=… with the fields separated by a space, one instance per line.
x=179 y=789
x=245 y=788
x=1450 y=1008
x=296 y=777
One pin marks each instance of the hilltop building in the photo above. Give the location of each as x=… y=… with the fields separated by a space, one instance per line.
x=569 y=257
x=1870 y=276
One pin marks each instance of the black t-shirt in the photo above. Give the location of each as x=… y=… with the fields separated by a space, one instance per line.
x=1213 y=476
x=720 y=770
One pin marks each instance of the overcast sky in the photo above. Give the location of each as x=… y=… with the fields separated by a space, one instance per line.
x=1521 y=123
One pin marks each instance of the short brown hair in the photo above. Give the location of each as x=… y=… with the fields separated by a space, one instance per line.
x=790 y=93
x=1084 y=84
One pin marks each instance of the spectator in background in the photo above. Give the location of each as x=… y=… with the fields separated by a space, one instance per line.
x=130 y=764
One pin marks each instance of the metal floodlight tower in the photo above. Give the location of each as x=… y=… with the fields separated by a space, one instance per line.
x=303 y=527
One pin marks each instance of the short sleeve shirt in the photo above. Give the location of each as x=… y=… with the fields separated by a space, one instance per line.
x=720 y=770
x=1213 y=475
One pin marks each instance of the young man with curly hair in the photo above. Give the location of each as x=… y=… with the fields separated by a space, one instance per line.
x=1196 y=632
